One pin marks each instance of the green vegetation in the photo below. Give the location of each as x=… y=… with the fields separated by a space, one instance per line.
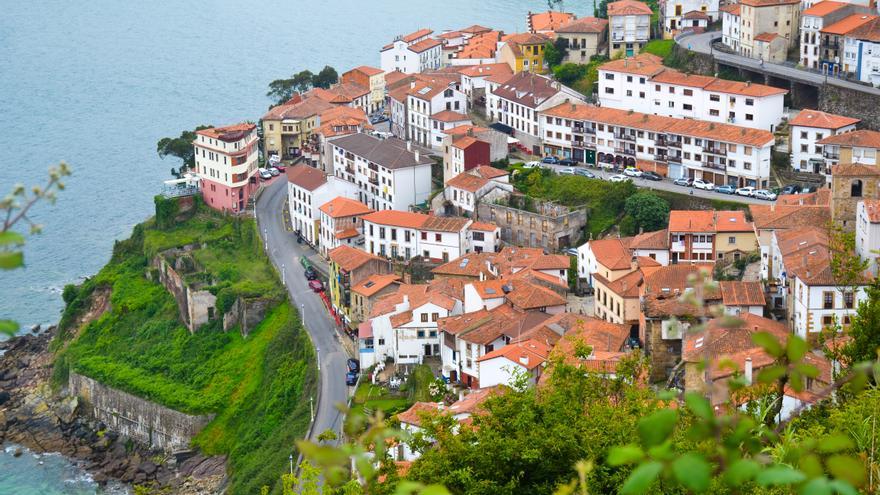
x=661 y=48
x=681 y=201
x=370 y=398
x=646 y=212
x=256 y=385
x=281 y=90
x=569 y=73
x=180 y=147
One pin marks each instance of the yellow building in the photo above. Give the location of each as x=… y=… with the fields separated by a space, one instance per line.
x=288 y=126
x=349 y=266
x=372 y=78
x=524 y=52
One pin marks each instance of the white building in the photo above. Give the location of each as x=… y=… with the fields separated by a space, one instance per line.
x=868 y=232
x=730 y=20
x=807 y=129
x=341 y=223
x=226 y=163
x=473 y=79
x=406 y=235
x=719 y=153
x=389 y=173
x=813 y=19
x=517 y=100
x=503 y=366
x=307 y=189
x=629 y=27
x=643 y=84
x=429 y=98
x=443 y=121
x=679 y=15
x=862 y=51
x=482 y=183
x=413 y=53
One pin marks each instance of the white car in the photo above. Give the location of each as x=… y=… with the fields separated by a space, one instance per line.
x=264 y=174
x=632 y=172
x=701 y=184
x=765 y=195
x=532 y=164
x=619 y=178
x=746 y=191
x=566 y=171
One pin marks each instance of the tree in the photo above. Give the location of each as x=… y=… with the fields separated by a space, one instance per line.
x=569 y=73
x=649 y=211
x=555 y=52
x=281 y=90
x=325 y=78
x=864 y=331
x=14 y=209
x=180 y=147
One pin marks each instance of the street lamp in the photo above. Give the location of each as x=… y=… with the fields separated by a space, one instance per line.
x=283 y=279
x=291 y=464
x=312 y=407
x=266 y=239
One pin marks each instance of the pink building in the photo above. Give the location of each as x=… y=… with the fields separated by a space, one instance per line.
x=226 y=161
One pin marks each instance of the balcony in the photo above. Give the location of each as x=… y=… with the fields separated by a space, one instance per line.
x=677 y=246
x=625 y=151
x=674 y=144
x=831 y=155
x=624 y=136
x=715 y=150
x=713 y=165
x=349 y=170
x=661 y=158
x=374 y=179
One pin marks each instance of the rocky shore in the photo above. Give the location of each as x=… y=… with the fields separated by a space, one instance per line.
x=33 y=416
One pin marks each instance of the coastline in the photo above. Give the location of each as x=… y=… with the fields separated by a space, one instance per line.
x=43 y=421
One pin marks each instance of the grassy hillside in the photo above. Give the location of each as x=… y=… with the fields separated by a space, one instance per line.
x=257 y=386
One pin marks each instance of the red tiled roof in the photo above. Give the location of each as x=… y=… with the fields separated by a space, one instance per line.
x=365 y=329
x=302 y=109
x=872 y=210
x=396 y=218
x=466 y=142
x=847 y=24
x=731 y=8
x=766 y=37
x=374 y=283
x=435 y=223
x=526 y=295
x=530 y=354
x=350 y=258
x=823 y=8
x=450 y=116
x=346 y=233
x=822 y=120
x=862 y=138
x=548 y=21
x=484 y=70
x=854 y=170
x=628 y=7
x=483 y=226
x=869 y=31
x=469 y=265
x=672 y=278
x=708 y=221
x=767 y=3
x=467 y=182
x=423 y=45
x=658 y=239
x=657 y=123
x=771 y=217
x=730 y=339
x=344 y=207
x=413 y=415
x=229 y=133
x=366 y=69
x=695 y=14
x=734 y=293
x=613 y=254
x=488 y=172
x=584 y=25
x=306 y=177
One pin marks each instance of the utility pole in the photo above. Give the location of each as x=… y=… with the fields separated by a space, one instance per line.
x=312 y=407
x=283 y=279
x=291 y=464
x=266 y=239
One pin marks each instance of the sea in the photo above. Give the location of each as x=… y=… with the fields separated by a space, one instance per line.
x=98 y=83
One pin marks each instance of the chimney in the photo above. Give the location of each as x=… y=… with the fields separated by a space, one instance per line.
x=524 y=360
x=748 y=83
x=412 y=84
x=409 y=146
x=417 y=155
x=406 y=300
x=748 y=370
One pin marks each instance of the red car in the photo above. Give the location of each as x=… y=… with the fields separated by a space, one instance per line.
x=316 y=285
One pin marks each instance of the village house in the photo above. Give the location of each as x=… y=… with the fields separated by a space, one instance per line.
x=835 y=55
x=465 y=152
x=683 y=15
x=347 y=94
x=287 y=127
x=523 y=52
x=584 y=38
x=716 y=152
x=629 y=27
x=813 y=20
x=731 y=19
x=365 y=293
x=443 y=121
x=547 y=22
x=862 y=51
x=406 y=235
x=389 y=173
x=709 y=236
x=371 y=78
x=464 y=191
x=868 y=233
x=858 y=147
x=644 y=84
x=764 y=29
x=307 y=189
x=349 y=266
x=589 y=344
x=426 y=102
x=807 y=129
x=226 y=163
x=851 y=183
x=334 y=122
x=480 y=48
x=498 y=148
x=605 y=256
x=503 y=366
x=341 y=223
x=517 y=101
x=412 y=53
x=473 y=81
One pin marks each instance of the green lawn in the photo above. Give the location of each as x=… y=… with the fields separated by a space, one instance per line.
x=661 y=48
x=374 y=397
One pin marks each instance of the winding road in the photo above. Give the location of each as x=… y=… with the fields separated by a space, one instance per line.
x=702 y=43
x=331 y=359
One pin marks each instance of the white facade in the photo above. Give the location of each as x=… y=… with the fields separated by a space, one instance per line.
x=439 y=126
x=381 y=187
x=818 y=306
x=427 y=100
x=810 y=39
x=304 y=205
x=412 y=54
x=409 y=342
x=806 y=153
x=628 y=33
x=485 y=240
x=730 y=29
x=524 y=118
x=693 y=97
x=868 y=235
x=864 y=55
x=408 y=240
x=672 y=11
x=500 y=371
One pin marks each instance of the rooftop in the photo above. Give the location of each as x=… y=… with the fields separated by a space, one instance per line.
x=350 y=258
x=628 y=7
x=390 y=153
x=339 y=207
x=821 y=120
x=306 y=177
x=862 y=138
x=230 y=133
x=548 y=21
x=584 y=25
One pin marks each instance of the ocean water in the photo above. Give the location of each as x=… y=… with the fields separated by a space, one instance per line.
x=98 y=83
x=47 y=474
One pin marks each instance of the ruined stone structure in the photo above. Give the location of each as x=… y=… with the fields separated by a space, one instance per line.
x=543 y=225
x=196 y=306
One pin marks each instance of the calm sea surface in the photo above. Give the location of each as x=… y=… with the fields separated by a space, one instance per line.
x=98 y=83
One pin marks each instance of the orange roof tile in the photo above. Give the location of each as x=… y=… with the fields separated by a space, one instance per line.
x=613 y=254
x=584 y=25
x=823 y=8
x=484 y=70
x=529 y=354
x=467 y=182
x=854 y=170
x=686 y=127
x=861 y=138
x=418 y=411
x=548 y=21
x=772 y=217
x=731 y=8
x=346 y=233
x=469 y=265
x=396 y=218
x=489 y=172
x=436 y=223
x=466 y=142
x=450 y=116
x=767 y=3
x=669 y=279
x=767 y=37
x=366 y=69
x=643 y=64
x=483 y=226
x=822 y=120
x=374 y=283
x=708 y=221
x=658 y=239
x=344 y=207
x=527 y=296
x=349 y=258
x=872 y=210
x=229 y=133
x=735 y=293
x=423 y=45
x=847 y=24
x=869 y=31
x=628 y=7
x=306 y=177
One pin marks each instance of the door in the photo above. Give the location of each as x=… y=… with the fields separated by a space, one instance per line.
x=428 y=350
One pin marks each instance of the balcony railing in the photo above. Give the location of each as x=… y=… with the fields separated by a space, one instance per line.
x=713 y=165
x=350 y=170
x=714 y=150
x=624 y=136
x=660 y=158
x=625 y=151
x=830 y=155
x=674 y=144
x=374 y=181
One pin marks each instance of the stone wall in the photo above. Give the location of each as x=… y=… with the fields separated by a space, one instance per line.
x=557 y=229
x=248 y=312
x=842 y=101
x=141 y=420
x=196 y=307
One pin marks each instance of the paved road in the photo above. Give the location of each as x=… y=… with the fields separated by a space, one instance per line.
x=702 y=43
x=667 y=185
x=284 y=251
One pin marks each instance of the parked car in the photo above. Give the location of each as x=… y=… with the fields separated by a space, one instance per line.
x=274 y=171
x=571 y=251
x=351 y=378
x=683 y=181
x=765 y=194
x=567 y=162
x=264 y=174
x=550 y=159
x=532 y=164
x=746 y=191
x=651 y=175
x=702 y=184
x=353 y=365
x=316 y=285
x=619 y=178
x=790 y=189
x=566 y=171
x=632 y=172
x=808 y=189
x=725 y=189
x=311 y=274
x=280 y=167
x=584 y=173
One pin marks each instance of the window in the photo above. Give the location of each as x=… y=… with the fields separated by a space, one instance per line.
x=750 y=116
x=848 y=300
x=435 y=316
x=827 y=321
x=803 y=134
x=828 y=300
x=855 y=189
x=750 y=102
x=689 y=92
x=424 y=317
x=420 y=334
x=714 y=98
x=731 y=240
x=609 y=76
x=424 y=236
x=687 y=106
x=437 y=237
x=609 y=90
